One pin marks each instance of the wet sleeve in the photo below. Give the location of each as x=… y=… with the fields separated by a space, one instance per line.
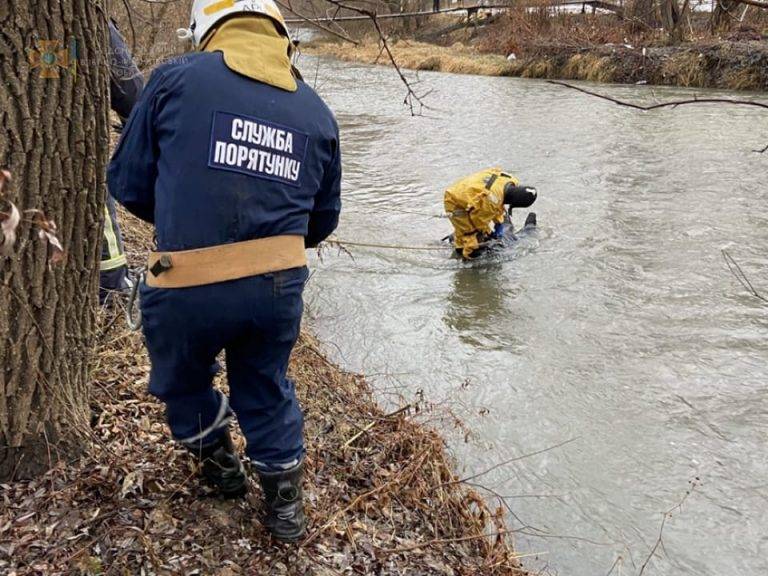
x=133 y=169
x=125 y=79
x=325 y=214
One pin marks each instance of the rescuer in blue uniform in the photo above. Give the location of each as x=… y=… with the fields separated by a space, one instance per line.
x=125 y=86
x=237 y=164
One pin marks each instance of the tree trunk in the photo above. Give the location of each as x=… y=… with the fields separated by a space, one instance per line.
x=722 y=15
x=669 y=14
x=54 y=140
x=641 y=15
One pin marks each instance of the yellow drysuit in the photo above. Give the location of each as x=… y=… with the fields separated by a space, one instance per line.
x=474 y=205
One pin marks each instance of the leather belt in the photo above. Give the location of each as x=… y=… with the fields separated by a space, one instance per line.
x=202 y=266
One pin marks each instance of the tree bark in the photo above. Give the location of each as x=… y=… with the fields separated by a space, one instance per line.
x=670 y=15
x=54 y=140
x=642 y=14
x=721 y=15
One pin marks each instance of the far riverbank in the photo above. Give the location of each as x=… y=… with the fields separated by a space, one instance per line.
x=724 y=64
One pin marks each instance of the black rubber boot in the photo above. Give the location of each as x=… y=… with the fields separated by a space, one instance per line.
x=222 y=468
x=284 y=503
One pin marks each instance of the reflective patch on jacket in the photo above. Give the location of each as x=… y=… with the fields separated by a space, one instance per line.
x=258 y=148
x=112 y=251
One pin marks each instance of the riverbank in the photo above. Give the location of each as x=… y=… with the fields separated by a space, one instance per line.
x=725 y=64
x=382 y=496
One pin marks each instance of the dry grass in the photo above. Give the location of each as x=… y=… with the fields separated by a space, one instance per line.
x=594 y=47
x=589 y=67
x=687 y=69
x=547 y=45
x=457 y=59
x=746 y=78
x=730 y=65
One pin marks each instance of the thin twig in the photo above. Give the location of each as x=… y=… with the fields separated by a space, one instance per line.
x=358 y=500
x=503 y=501
x=736 y=270
x=509 y=461
x=342 y=243
x=314 y=22
x=665 y=516
x=441 y=541
x=129 y=13
x=373 y=423
x=763 y=5
x=670 y=104
x=613 y=566
x=412 y=99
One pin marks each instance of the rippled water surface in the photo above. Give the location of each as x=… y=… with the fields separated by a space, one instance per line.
x=618 y=326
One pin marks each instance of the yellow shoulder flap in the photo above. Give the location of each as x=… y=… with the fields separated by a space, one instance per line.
x=253 y=47
x=481 y=194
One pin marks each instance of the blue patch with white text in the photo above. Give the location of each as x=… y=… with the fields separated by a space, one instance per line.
x=257 y=148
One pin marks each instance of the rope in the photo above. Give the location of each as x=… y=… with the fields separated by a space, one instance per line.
x=384 y=246
x=223 y=418
x=356 y=202
x=134 y=321
x=426 y=215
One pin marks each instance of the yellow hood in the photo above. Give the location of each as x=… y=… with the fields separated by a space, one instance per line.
x=253 y=47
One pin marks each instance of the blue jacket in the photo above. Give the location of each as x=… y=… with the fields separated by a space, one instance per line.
x=212 y=157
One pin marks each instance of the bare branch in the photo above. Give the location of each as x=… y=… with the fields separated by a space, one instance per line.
x=315 y=22
x=763 y=5
x=666 y=516
x=435 y=541
x=736 y=270
x=670 y=104
x=613 y=566
x=412 y=99
x=503 y=501
x=129 y=13
x=505 y=462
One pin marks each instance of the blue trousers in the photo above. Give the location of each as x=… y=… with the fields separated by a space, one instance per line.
x=256 y=321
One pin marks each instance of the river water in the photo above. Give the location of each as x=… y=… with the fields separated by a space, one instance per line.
x=618 y=327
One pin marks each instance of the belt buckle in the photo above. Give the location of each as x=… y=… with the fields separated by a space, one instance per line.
x=163 y=264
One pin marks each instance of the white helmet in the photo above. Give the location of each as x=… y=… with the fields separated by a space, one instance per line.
x=206 y=13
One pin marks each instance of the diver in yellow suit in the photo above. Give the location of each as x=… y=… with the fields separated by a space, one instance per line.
x=475 y=206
